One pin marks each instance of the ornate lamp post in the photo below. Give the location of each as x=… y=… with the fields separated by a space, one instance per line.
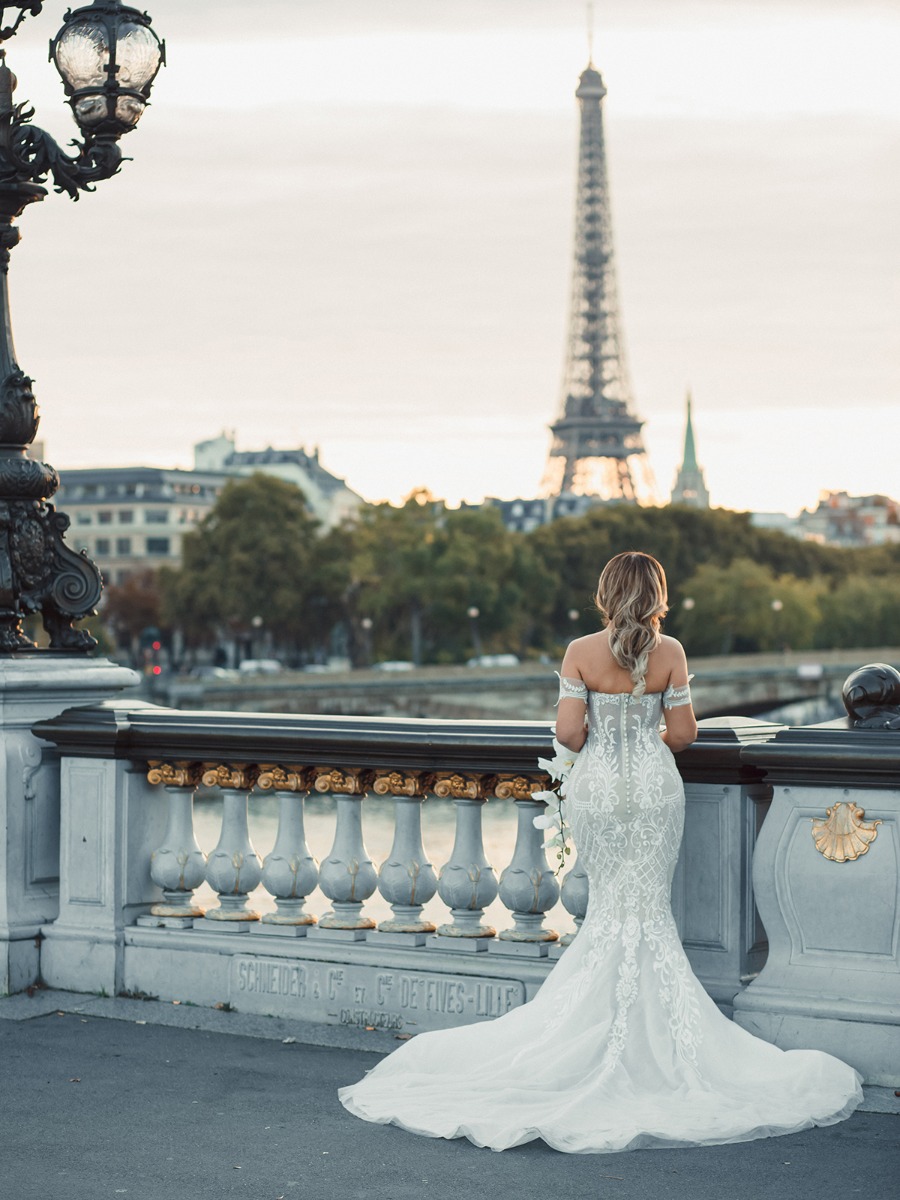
x=108 y=56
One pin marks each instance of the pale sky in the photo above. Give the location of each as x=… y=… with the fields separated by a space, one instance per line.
x=350 y=225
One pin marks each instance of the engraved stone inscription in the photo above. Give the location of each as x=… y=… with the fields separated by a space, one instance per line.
x=352 y=994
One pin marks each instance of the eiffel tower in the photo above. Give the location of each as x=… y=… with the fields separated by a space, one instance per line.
x=597 y=449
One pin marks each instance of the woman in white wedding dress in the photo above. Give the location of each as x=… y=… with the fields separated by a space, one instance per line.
x=622 y=1047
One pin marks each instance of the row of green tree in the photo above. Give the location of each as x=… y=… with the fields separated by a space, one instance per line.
x=425 y=583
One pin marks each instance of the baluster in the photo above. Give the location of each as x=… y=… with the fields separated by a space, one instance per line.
x=574 y=895
x=528 y=886
x=347 y=876
x=233 y=869
x=406 y=879
x=178 y=865
x=467 y=883
x=289 y=872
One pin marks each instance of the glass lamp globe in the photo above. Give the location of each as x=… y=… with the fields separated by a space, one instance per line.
x=108 y=56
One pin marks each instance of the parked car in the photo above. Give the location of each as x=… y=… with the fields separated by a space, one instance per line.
x=208 y=672
x=260 y=666
x=494 y=660
x=394 y=665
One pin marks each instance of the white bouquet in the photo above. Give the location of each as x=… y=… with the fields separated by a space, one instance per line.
x=558 y=768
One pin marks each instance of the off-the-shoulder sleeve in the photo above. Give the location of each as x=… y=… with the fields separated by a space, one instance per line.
x=572 y=689
x=674 y=697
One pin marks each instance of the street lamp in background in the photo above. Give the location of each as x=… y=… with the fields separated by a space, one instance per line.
x=108 y=56
x=473 y=613
x=777 y=606
x=366 y=625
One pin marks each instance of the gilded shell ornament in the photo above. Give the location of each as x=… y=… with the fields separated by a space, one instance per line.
x=842 y=835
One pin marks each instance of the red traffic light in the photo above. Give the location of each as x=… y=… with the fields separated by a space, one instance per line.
x=157 y=645
x=157 y=670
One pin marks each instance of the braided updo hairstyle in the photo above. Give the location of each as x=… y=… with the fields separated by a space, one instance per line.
x=633 y=599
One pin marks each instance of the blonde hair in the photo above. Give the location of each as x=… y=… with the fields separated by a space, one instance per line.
x=632 y=596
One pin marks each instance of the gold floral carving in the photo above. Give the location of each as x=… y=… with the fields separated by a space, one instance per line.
x=353 y=782
x=518 y=787
x=179 y=774
x=842 y=835
x=237 y=776
x=400 y=783
x=460 y=787
x=277 y=779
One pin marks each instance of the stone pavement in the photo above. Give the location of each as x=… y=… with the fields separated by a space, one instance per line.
x=151 y=1101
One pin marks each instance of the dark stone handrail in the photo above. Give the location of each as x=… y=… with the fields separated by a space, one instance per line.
x=142 y=732
x=828 y=754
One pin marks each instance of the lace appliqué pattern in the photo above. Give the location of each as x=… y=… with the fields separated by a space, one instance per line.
x=571 y=689
x=627 y=812
x=675 y=697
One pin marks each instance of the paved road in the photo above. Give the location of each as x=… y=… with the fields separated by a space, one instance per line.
x=109 y=1098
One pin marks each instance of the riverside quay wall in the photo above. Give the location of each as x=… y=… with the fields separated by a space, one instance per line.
x=738 y=684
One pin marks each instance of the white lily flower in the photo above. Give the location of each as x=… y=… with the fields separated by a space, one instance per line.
x=547 y=797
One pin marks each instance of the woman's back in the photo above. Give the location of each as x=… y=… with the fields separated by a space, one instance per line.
x=590 y=659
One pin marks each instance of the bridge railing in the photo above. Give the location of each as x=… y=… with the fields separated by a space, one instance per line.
x=131 y=866
x=806 y=822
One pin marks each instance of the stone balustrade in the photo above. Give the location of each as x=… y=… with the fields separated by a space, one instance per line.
x=155 y=760
x=130 y=921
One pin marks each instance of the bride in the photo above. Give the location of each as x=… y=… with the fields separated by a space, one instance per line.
x=621 y=1048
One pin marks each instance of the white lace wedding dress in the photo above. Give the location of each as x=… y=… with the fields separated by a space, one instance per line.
x=621 y=1047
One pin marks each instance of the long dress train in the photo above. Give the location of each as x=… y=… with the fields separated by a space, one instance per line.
x=622 y=1047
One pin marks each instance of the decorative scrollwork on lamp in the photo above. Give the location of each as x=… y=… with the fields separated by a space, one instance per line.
x=108 y=57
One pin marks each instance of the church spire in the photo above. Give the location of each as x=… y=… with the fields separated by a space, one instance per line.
x=690 y=487
x=689 y=462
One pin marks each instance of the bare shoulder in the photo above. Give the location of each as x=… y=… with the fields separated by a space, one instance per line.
x=580 y=650
x=672 y=648
x=672 y=655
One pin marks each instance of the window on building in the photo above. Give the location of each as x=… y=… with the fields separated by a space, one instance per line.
x=126 y=516
x=122 y=576
x=157 y=545
x=83 y=518
x=104 y=517
x=156 y=516
x=123 y=545
x=102 y=546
